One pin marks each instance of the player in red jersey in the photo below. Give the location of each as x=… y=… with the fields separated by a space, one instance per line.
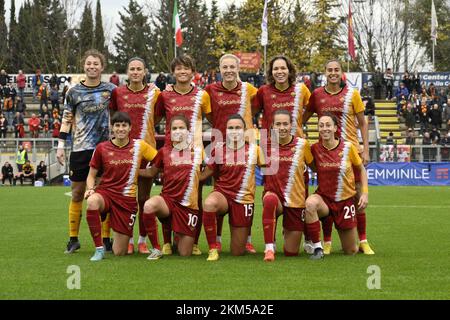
x=233 y=165
x=335 y=160
x=138 y=100
x=230 y=96
x=284 y=190
x=178 y=200
x=119 y=159
x=282 y=93
x=193 y=103
x=346 y=104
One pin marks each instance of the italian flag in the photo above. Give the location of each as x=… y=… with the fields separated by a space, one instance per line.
x=177 y=25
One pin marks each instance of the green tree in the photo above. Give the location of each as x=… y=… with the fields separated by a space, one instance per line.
x=421 y=26
x=99 y=35
x=133 y=36
x=86 y=30
x=162 y=37
x=12 y=39
x=325 y=39
x=3 y=36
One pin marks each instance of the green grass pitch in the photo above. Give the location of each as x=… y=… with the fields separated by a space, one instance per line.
x=408 y=227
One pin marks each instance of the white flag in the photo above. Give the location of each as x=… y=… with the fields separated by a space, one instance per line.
x=434 y=23
x=264 y=33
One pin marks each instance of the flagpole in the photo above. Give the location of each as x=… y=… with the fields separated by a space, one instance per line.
x=433 y=56
x=175 y=45
x=265 y=60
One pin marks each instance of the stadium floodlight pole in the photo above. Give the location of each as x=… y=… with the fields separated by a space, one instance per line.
x=264 y=35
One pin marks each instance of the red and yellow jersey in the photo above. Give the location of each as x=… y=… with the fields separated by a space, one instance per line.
x=288 y=183
x=120 y=165
x=293 y=99
x=192 y=105
x=344 y=105
x=226 y=102
x=140 y=106
x=181 y=171
x=234 y=171
x=335 y=170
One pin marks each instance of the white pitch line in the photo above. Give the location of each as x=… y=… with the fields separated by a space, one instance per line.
x=69 y=194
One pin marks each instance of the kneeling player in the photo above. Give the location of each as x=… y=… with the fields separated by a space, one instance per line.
x=233 y=165
x=119 y=159
x=178 y=202
x=284 y=190
x=334 y=159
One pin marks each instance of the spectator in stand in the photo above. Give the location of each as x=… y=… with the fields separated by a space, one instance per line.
x=44 y=112
x=406 y=80
x=423 y=116
x=432 y=90
x=19 y=126
x=67 y=85
x=389 y=83
x=161 y=81
x=424 y=93
x=446 y=116
x=45 y=126
x=27 y=172
x=148 y=76
x=54 y=96
x=445 y=150
x=415 y=79
x=409 y=115
x=447 y=91
x=435 y=116
x=115 y=79
x=21 y=157
x=390 y=139
x=7 y=173
x=56 y=114
x=410 y=139
x=4 y=78
x=7 y=97
x=367 y=98
x=56 y=126
x=41 y=172
x=3 y=127
x=445 y=141
x=36 y=82
x=43 y=95
x=402 y=94
x=315 y=83
x=435 y=136
x=54 y=81
x=21 y=83
x=377 y=81
x=442 y=98
x=20 y=105
x=34 y=125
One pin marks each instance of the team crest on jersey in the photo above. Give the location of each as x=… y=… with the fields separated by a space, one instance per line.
x=172 y=101
x=340 y=154
x=239 y=92
x=322 y=101
x=293 y=149
x=273 y=96
x=193 y=98
x=341 y=99
x=125 y=97
x=111 y=154
x=105 y=94
x=145 y=96
x=220 y=94
x=293 y=93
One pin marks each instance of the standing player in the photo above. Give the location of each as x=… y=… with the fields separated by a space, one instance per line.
x=284 y=191
x=178 y=201
x=233 y=165
x=282 y=93
x=230 y=96
x=346 y=104
x=86 y=115
x=119 y=159
x=193 y=103
x=335 y=160
x=138 y=100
